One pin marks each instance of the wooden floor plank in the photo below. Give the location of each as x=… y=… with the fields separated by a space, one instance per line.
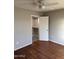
x=41 y=50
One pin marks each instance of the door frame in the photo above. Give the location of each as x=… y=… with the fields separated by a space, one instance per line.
x=32 y=23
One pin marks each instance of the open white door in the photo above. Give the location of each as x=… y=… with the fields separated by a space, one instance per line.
x=43 y=28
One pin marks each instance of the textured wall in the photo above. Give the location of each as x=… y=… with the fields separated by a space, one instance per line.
x=22 y=27
x=56 y=26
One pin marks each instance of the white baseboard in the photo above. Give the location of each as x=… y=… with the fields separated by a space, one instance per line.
x=56 y=42
x=22 y=46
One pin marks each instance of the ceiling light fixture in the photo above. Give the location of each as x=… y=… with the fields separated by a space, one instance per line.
x=41 y=6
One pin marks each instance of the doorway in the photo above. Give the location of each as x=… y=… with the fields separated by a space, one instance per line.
x=40 y=28
x=35 y=28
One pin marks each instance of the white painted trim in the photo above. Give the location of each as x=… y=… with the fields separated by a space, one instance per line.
x=56 y=42
x=35 y=16
x=22 y=46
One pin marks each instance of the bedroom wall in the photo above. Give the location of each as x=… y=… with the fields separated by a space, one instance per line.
x=23 y=30
x=56 y=26
x=22 y=27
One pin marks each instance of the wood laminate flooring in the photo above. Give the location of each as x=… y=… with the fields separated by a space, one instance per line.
x=41 y=50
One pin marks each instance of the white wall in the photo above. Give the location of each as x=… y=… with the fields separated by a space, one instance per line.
x=22 y=27
x=23 y=30
x=56 y=26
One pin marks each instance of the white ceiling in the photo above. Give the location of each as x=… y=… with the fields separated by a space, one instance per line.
x=28 y=4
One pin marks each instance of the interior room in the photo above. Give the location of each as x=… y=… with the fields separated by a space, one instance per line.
x=38 y=29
